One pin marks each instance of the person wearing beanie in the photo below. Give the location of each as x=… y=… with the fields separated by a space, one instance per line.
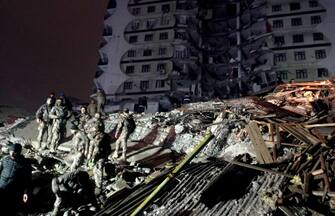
x=15 y=178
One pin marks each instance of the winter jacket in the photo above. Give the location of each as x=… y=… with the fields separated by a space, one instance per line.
x=15 y=174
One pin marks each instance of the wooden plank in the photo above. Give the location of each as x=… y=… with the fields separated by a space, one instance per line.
x=320 y=125
x=262 y=153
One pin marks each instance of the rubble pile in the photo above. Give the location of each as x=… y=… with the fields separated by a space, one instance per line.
x=280 y=147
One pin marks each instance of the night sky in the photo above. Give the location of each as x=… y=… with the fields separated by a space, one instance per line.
x=48 y=45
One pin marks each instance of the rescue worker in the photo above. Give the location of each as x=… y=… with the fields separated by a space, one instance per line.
x=94 y=125
x=44 y=124
x=80 y=147
x=15 y=179
x=101 y=100
x=125 y=127
x=83 y=118
x=92 y=108
x=73 y=189
x=57 y=114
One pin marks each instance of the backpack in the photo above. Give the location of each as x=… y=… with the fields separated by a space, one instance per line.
x=131 y=124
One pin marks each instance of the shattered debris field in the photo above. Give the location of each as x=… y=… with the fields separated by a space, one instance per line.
x=270 y=155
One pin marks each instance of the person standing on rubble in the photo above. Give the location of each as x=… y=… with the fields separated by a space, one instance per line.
x=73 y=189
x=83 y=118
x=44 y=124
x=15 y=180
x=80 y=147
x=125 y=127
x=57 y=114
x=92 y=108
x=101 y=100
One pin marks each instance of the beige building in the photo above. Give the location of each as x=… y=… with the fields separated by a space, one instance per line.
x=298 y=45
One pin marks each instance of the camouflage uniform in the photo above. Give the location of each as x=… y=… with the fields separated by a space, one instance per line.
x=122 y=127
x=80 y=149
x=44 y=125
x=83 y=118
x=58 y=114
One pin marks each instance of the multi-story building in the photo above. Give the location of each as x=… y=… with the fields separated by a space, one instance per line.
x=212 y=48
x=149 y=48
x=236 y=55
x=300 y=48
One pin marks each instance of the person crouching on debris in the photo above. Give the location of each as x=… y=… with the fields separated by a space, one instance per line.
x=57 y=114
x=80 y=147
x=73 y=189
x=15 y=180
x=125 y=127
x=44 y=124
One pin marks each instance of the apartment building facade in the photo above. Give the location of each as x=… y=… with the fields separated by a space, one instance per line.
x=299 y=46
x=149 y=48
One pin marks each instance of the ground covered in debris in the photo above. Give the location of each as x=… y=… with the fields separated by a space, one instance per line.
x=270 y=155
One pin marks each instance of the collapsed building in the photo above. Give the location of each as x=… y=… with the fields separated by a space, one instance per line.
x=263 y=156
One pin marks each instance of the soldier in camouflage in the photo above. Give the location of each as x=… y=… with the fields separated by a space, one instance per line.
x=80 y=147
x=57 y=114
x=44 y=124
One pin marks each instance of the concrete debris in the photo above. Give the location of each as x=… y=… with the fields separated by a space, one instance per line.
x=287 y=136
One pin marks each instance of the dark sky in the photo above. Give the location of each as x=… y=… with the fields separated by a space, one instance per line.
x=48 y=45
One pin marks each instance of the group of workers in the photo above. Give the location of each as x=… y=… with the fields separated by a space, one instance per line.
x=91 y=148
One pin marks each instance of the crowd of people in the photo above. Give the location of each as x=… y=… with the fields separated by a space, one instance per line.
x=91 y=149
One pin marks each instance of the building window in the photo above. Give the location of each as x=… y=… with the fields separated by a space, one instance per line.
x=135 y=25
x=147 y=52
x=146 y=68
x=295 y=6
x=278 y=24
x=144 y=84
x=151 y=9
x=296 y=21
x=166 y=8
x=163 y=36
x=323 y=72
x=133 y=39
x=315 y=20
x=283 y=74
x=320 y=54
x=313 y=3
x=151 y=23
x=298 y=38
x=279 y=40
x=136 y=11
x=301 y=74
x=131 y=53
x=276 y=8
x=165 y=20
x=127 y=85
x=162 y=51
x=317 y=36
x=300 y=55
x=180 y=35
x=148 y=37
x=160 y=83
x=279 y=57
x=130 y=69
x=161 y=68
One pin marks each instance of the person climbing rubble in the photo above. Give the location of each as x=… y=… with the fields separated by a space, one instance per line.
x=57 y=114
x=15 y=180
x=83 y=118
x=73 y=189
x=80 y=147
x=125 y=127
x=44 y=124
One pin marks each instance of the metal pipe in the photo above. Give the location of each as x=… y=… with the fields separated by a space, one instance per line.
x=171 y=175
